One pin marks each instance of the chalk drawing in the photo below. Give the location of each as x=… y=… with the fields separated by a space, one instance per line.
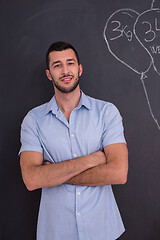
x=132 y=37
x=147 y=33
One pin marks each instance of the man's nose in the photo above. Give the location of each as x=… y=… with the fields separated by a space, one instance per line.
x=65 y=70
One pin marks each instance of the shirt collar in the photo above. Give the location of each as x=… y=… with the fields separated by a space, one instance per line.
x=52 y=104
x=84 y=101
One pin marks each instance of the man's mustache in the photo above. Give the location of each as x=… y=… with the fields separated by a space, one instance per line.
x=68 y=75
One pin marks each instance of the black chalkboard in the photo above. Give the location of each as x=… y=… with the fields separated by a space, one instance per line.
x=119 y=46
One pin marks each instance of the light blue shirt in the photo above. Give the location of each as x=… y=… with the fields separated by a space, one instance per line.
x=72 y=212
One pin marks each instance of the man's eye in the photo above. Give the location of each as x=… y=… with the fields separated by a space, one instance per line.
x=56 y=66
x=71 y=63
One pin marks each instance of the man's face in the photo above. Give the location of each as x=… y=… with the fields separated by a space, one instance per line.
x=64 y=70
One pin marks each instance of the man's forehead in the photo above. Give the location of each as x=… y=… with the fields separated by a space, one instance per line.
x=67 y=54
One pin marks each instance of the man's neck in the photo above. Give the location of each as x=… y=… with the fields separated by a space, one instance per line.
x=68 y=101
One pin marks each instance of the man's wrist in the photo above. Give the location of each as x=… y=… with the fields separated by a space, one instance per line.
x=98 y=158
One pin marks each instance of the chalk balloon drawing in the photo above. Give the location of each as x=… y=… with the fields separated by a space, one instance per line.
x=122 y=42
x=147 y=32
x=155 y=4
x=134 y=40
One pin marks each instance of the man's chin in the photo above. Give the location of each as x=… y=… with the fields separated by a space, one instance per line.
x=66 y=89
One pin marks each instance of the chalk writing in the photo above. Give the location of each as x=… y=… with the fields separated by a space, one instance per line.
x=151 y=33
x=143 y=34
x=122 y=31
x=155 y=49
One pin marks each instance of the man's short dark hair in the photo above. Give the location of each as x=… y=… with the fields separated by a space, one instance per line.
x=60 y=46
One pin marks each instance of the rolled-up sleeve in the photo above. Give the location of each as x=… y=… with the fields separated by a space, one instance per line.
x=29 y=135
x=113 y=128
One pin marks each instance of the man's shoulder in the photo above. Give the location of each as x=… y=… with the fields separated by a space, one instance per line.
x=103 y=108
x=39 y=112
x=95 y=102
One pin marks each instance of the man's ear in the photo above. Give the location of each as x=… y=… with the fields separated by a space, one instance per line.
x=48 y=75
x=80 y=70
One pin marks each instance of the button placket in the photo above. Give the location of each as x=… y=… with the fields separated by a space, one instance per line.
x=75 y=154
x=78 y=210
x=72 y=135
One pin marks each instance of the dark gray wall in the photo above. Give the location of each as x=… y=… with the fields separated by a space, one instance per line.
x=27 y=29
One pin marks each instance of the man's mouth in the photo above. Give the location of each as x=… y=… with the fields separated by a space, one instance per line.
x=66 y=79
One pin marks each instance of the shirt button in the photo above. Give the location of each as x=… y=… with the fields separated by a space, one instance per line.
x=72 y=135
x=78 y=213
x=75 y=155
x=78 y=193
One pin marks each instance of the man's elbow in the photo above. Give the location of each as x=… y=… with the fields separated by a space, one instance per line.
x=30 y=185
x=123 y=178
x=123 y=173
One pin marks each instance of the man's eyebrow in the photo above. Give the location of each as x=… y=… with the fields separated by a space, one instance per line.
x=68 y=60
x=71 y=59
x=55 y=62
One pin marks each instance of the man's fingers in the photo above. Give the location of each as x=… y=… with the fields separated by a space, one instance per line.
x=46 y=162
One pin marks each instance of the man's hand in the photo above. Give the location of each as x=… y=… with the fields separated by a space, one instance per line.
x=46 y=162
x=100 y=157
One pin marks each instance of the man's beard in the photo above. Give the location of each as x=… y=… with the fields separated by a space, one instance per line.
x=65 y=89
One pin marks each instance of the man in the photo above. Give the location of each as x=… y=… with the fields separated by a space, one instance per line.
x=74 y=149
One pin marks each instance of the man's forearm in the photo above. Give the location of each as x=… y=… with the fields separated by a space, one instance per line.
x=114 y=171
x=39 y=176
x=97 y=176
